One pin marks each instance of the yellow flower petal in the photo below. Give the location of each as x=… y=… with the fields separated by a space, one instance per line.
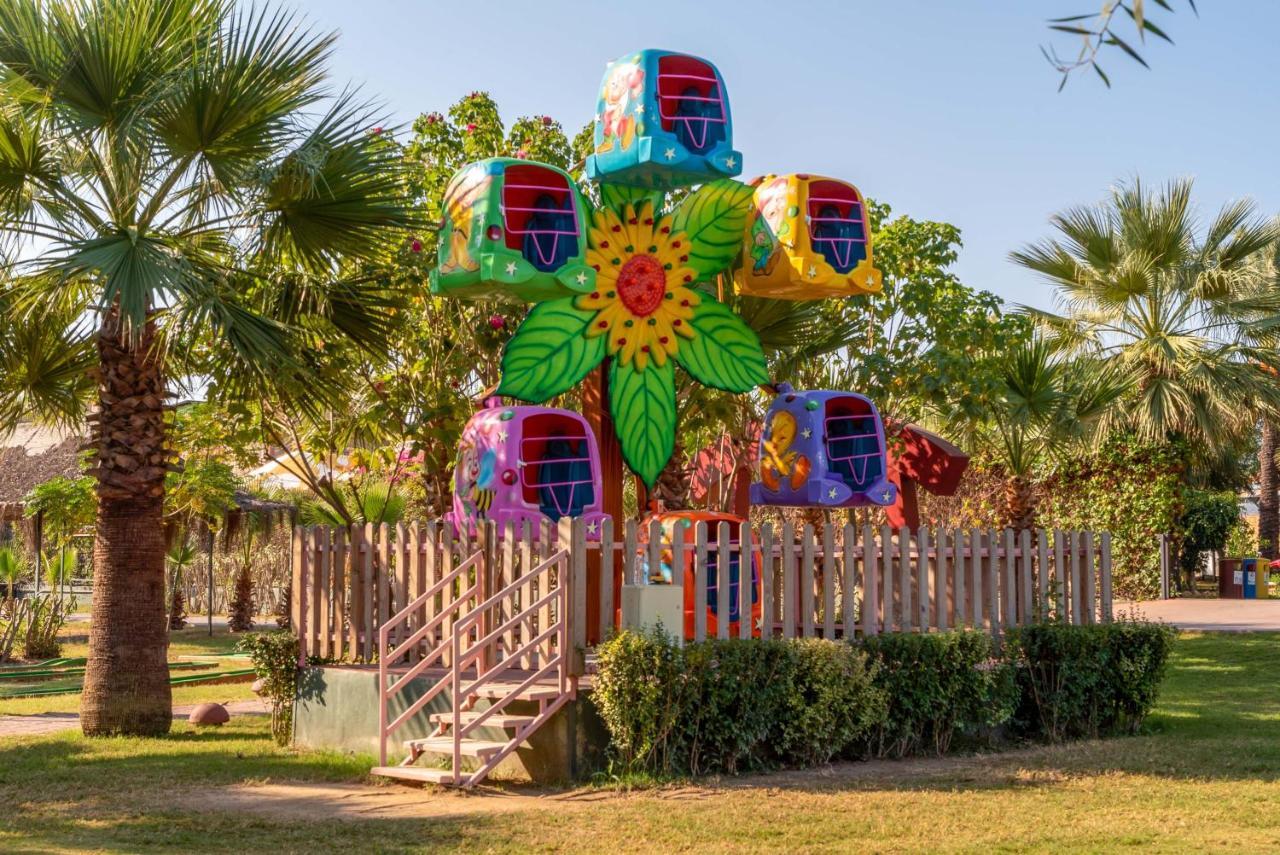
x=629 y=349
x=658 y=352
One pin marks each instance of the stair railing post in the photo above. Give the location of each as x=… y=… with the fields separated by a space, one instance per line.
x=456 y=681
x=564 y=627
x=382 y=695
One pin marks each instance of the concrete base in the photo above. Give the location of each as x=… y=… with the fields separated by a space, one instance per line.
x=337 y=709
x=647 y=606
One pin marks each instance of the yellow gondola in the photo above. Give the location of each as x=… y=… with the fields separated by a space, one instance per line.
x=808 y=238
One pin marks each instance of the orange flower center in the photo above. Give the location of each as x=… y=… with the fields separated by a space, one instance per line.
x=642 y=282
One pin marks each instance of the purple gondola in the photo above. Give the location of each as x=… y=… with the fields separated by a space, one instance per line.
x=825 y=449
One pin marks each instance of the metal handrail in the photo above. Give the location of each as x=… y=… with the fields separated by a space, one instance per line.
x=386 y=656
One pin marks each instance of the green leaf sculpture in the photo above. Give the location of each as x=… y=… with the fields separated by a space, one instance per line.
x=550 y=354
x=714 y=217
x=724 y=352
x=643 y=404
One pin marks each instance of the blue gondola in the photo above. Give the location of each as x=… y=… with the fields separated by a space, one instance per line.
x=662 y=121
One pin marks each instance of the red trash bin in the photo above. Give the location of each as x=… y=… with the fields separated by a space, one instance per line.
x=1230 y=579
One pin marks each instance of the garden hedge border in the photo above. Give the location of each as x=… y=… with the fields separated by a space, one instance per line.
x=730 y=706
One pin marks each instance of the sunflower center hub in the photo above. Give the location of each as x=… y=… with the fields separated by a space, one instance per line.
x=642 y=282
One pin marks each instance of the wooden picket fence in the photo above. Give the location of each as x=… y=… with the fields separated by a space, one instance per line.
x=841 y=582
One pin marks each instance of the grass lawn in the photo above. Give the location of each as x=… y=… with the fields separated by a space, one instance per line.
x=1203 y=777
x=192 y=641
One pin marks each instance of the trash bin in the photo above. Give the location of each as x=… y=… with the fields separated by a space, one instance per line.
x=1250 y=587
x=1230 y=579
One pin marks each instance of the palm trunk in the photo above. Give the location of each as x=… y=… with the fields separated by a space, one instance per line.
x=1019 y=503
x=672 y=486
x=1268 y=506
x=126 y=683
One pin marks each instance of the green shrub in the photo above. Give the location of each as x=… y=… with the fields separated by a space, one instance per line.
x=734 y=694
x=832 y=705
x=1088 y=681
x=638 y=690
x=42 y=620
x=730 y=706
x=275 y=659
x=936 y=685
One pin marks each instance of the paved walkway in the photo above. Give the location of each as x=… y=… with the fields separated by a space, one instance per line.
x=53 y=722
x=1210 y=615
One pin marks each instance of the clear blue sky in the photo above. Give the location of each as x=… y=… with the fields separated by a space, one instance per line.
x=944 y=109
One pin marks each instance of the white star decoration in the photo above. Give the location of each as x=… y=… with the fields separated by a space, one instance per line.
x=591 y=528
x=831 y=494
x=669 y=154
x=884 y=497
x=813 y=271
x=806 y=433
x=581 y=277
x=730 y=162
x=511 y=268
x=502 y=436
x=639 y=110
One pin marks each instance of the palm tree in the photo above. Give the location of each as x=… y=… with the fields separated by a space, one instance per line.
x=1268 y=506
x=189 y=190
x=1184 y=314
x=12 y=567
x=1046 y=405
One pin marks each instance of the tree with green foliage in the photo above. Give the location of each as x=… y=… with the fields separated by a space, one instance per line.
x=203 y=203
x=927 y=348
x=1185 y=315
x=65 y=505
x=1207 y=523
x=1047 y=407
x=1100 y=30
x=12 y=567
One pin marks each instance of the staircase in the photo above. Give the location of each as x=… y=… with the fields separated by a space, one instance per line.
x=511 y=646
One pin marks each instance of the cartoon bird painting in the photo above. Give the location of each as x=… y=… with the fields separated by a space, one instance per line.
x=778 y=461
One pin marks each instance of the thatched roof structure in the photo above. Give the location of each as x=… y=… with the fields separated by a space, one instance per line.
x=31 y=456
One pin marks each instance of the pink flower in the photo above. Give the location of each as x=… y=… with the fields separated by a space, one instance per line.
x=377 y=130
x=416 y=246
x=497 y=321
x=546 y=121
x=522 y=154
x=471 y=126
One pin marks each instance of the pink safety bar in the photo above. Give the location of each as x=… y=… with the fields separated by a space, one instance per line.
x=864 y=458
x=571 y=484
x=699 y=132
x=843 y=246
x=548 y=256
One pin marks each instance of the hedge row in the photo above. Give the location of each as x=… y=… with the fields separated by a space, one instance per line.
x=739 y=705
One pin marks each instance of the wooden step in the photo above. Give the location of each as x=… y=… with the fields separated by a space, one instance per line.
x=496 y=720
x=414 y=773
x=536 y=692
x=470 y=747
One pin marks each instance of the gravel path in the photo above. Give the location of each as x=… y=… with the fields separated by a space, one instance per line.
x=1210 y=615
x=44 y=723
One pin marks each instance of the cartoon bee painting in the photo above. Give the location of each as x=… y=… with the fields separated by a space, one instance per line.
x=473 y=479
